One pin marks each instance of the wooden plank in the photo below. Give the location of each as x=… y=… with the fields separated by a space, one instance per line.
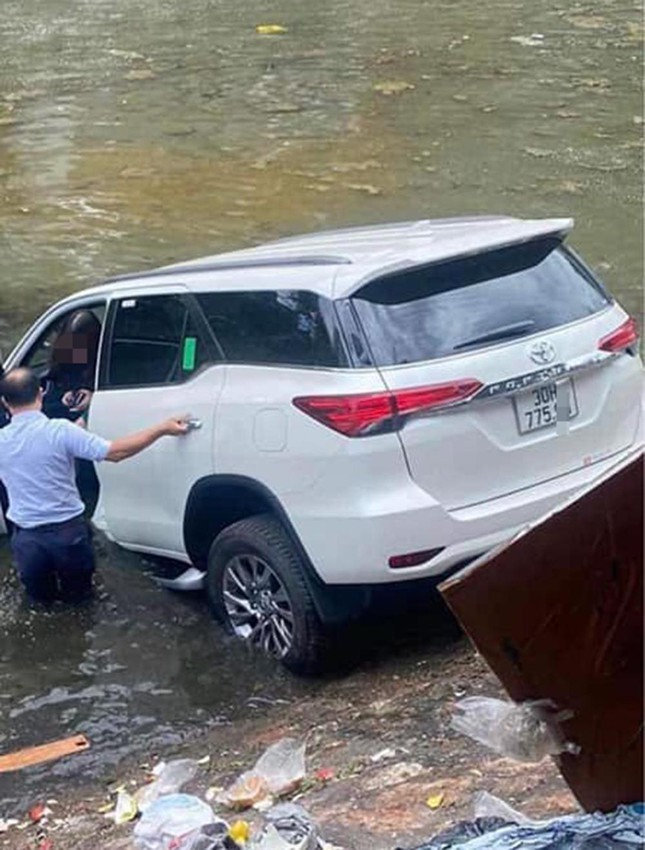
x=45 y=752
x=558 y=614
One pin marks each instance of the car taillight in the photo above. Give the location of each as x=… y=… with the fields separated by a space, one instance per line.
x=620 y=339
x=362 y=414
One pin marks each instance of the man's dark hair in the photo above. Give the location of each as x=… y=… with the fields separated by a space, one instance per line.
x=19 y=387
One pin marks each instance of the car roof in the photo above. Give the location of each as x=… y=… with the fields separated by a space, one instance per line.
x=337 y=263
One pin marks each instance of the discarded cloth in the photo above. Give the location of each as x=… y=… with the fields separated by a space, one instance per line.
x=623 y=829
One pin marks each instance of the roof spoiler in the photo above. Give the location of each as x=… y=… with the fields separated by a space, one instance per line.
x=514 y=232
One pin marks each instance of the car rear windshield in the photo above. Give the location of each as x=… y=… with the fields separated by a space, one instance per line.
x=465 y=304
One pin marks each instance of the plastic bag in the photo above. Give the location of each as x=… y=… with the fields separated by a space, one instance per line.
x=170 y=778
x=527 y=731
x=279 y=771
x=489 y=806
x=289 y=827
x=214 y=836
x=167 y=824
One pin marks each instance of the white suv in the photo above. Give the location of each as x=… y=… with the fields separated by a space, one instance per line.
x=370 y=405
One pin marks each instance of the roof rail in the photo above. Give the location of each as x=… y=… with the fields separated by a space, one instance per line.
x=225 y=265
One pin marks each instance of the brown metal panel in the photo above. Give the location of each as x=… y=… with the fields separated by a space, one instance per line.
x=558 y=614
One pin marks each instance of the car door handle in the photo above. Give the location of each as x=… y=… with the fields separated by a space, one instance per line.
x=194 y=424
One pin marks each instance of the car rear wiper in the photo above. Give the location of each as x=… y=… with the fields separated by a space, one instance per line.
x=505 y=332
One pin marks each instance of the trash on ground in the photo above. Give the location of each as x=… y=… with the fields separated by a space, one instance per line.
x=489 y=806
x=279 y=771
x=325 y=774
x=526 y=731
x=270 y=29
x=126 y=808
x=213 y=836
x=42 y=753
x=624 y=828
x=38 y=812
x=240 y=831
x=435 y=801
x=172 y=817
x=289 y=827
x=170 y=778
x=388 y=753
x=461 y=833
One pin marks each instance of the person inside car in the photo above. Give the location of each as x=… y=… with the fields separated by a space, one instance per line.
x=71 y=374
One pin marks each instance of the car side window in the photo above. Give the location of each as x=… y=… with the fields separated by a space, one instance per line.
x=154 y=340
x=281 y=327
x=39 y=356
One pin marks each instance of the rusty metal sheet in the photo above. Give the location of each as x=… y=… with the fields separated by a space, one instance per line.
x=558 y=614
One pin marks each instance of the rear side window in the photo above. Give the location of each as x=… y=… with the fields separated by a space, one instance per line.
x=283 y=327
x=154 y=341
x=476 y=301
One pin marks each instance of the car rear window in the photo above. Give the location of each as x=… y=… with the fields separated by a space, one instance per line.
x=281 y=327
x=466 y=304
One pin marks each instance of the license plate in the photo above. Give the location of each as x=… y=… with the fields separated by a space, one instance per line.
x=538 y=408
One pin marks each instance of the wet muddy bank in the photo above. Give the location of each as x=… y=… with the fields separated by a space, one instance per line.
x=373 y=800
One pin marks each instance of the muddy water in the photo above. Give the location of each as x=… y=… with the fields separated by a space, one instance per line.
x=133 y=134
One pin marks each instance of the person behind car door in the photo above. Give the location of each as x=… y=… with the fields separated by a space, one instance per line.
x=72 y=367
x=50 y=542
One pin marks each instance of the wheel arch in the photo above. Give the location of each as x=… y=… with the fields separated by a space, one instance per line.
x=216 y=502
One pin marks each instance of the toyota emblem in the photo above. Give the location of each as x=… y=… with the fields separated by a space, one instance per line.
x=542 y=352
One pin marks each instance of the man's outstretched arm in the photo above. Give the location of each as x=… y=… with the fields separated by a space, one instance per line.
x=125 y=447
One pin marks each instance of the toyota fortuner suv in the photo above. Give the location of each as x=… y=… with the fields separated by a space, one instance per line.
x=368 y=406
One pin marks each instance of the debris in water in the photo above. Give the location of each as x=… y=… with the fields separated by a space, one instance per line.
x=140 y=74
x=270 y=29
x=536 y=39
x=587 y=22
x=390 y=87
x=365 y=187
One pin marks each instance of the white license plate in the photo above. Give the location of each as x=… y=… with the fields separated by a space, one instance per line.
x=537 y=408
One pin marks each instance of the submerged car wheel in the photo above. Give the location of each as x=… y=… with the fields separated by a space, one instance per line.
x=258 y=590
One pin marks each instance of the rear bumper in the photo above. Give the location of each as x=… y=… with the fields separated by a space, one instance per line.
x=350 y=541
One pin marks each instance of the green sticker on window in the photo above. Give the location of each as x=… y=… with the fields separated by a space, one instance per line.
x=189 y=354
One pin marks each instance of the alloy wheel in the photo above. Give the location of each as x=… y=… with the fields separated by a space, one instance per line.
x=257 y=604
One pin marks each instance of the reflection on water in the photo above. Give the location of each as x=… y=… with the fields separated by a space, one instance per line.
x=138 y=133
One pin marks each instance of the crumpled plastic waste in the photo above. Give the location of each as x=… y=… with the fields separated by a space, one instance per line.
x=622 y=829
x=168 y=822
x=490 y=807
x=288 y=827
x=278 y=771
x=170 y=777
x=126 y=808
x=214 y=836
x=525 y=731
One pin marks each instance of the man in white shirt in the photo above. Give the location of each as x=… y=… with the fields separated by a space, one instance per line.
x=50 y=540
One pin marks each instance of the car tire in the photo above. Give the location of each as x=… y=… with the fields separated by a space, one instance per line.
x=257 y=588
